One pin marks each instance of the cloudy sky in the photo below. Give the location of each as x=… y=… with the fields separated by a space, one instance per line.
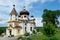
x=35 y=7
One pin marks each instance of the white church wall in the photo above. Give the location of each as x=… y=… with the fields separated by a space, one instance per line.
x=7 y=32
x=22 y=29
x=24 y=18
x=28 y=27
x=13 y=17
x=15 y=32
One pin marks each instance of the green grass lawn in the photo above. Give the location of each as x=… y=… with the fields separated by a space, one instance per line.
x=40 y=36
x=43 y=37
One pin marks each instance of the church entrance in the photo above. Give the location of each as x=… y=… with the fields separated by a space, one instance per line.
x=18 y=32
x=10 y=31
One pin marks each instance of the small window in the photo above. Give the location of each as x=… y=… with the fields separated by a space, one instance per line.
x=21 y=16
x=25 y=28
x=25 y=24
x=31 y=28
x=18 y=30
x=10 y=25
x=25 y=16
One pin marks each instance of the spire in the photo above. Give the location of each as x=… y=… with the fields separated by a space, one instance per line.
x=13 y=12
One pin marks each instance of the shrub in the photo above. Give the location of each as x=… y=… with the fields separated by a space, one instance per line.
x=26 y=34
x=53 y=38
x=12 y=35
x=34 y=32
x=37 y=30
x=49 y=29
x=29 y=39
x=8 y=36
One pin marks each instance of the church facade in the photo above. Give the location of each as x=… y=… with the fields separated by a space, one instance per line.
x=20 y=23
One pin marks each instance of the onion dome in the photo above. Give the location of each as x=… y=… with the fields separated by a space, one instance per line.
x=32 y=18
x=24 y=12
x=13 y=12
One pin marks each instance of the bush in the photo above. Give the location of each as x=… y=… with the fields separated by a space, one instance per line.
x=53 y=38
x=26 y=34
x=8 y=36
x=12 y=35
x=29 y=39
x=49 y=29
x=2 y=30
x=37 y=30
x=34 y=32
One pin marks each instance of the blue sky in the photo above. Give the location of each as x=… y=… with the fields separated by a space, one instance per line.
x=35 y=7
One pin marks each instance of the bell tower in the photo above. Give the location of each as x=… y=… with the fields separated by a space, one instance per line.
x=24 y=14
x=13 y=17
x=13 y=14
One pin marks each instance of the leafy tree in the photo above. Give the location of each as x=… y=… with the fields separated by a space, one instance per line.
x=51 y=16
x=2 y=30
x=49 y=29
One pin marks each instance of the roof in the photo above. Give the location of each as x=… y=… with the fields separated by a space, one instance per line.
x=17 y=27
x=13 y=12
x=24 y=12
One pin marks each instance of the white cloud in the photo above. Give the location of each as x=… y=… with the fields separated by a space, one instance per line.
x=39 y=22
x=43 y=1
x=6 y=6
x=3 y=19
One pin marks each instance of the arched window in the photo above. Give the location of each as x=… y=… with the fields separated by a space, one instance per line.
x=25 y=16
x=25 y=24
x=18 y=30
x=25 y=28
x=30 y=28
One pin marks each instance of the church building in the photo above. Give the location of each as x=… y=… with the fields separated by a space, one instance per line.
x=20 y=23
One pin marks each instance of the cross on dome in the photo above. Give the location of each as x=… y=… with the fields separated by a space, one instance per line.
x=14 y=6
x=24 y=7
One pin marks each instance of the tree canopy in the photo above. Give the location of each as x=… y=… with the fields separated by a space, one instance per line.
x=51 y=16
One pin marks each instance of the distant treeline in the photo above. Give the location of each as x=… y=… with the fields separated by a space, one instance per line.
x=2 y=30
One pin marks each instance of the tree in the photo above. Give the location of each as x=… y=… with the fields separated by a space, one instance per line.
x=50 y=21
x=2 y=30
x=49 y=29
x=51 y=16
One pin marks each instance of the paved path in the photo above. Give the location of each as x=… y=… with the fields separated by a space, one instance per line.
x=8 y=38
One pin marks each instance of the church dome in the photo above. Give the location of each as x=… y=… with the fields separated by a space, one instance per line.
x=24 y=12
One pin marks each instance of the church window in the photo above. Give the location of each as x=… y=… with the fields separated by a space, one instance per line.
x=25 y=24
x=22 y=17
x=25 y=28
x=25 y=16
x=18 y=30
x=10 y=25
x=31 y=28
x=10 y=31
